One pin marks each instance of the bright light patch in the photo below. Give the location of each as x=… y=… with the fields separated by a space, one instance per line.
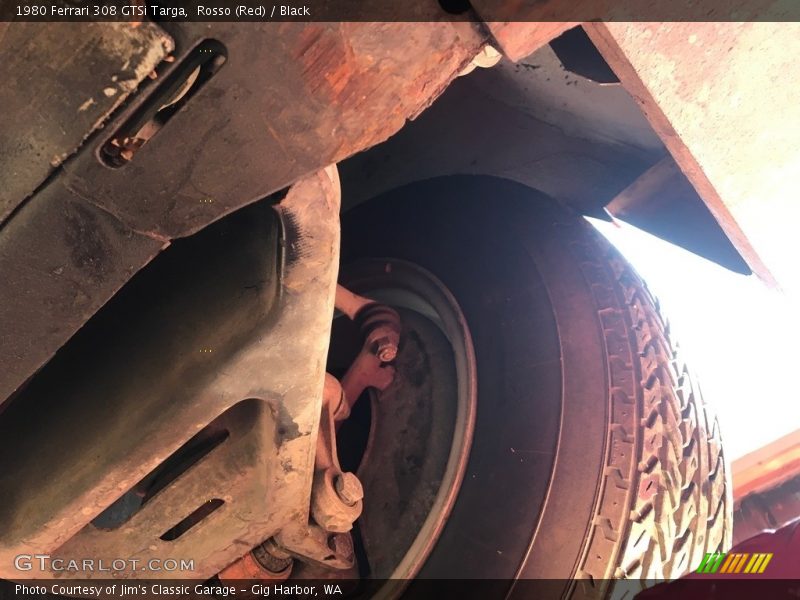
x=738 y=336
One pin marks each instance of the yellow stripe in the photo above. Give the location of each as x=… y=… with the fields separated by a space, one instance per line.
x=754 y=562
x=767 y=558
x=757 y=566
x=741 y=562
x=727 y=562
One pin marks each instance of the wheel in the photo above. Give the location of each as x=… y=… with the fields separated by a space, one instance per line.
x=593 y=456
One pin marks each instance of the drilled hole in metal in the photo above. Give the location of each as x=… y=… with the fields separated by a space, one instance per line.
x=173 y=467
x=197 y=515
x=194 y=71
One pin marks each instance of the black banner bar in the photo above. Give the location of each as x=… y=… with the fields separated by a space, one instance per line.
x=397 y=10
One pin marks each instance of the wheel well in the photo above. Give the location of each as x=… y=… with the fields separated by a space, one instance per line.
x=582 y=143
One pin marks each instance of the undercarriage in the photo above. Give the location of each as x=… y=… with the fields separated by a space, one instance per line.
x=317 y=302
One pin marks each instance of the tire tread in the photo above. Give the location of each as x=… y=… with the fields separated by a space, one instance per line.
x=677 y=503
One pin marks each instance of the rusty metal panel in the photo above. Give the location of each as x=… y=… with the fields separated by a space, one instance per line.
x=518 y=40
x=766 y=468
x=60 y=84
x=290 y=99
x=663 y=202
x=232 y=480
x=720 y=95
x=211 y=328
x=508 y=123
x=57 y=255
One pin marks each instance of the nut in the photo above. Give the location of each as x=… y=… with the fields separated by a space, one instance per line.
x=349 y=488
x=328 y=509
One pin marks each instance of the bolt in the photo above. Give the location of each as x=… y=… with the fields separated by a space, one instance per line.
x=349 y=489
x=385 y=349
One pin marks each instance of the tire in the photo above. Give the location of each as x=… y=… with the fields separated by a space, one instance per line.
x=594 y=457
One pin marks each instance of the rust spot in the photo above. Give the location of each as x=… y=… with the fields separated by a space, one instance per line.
x=328 y=65
x=86 y=241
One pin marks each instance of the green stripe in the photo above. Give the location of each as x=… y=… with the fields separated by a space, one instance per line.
x=706 y=558
x=718 y=564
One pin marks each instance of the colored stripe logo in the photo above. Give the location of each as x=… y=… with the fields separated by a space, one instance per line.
x=735 y=563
